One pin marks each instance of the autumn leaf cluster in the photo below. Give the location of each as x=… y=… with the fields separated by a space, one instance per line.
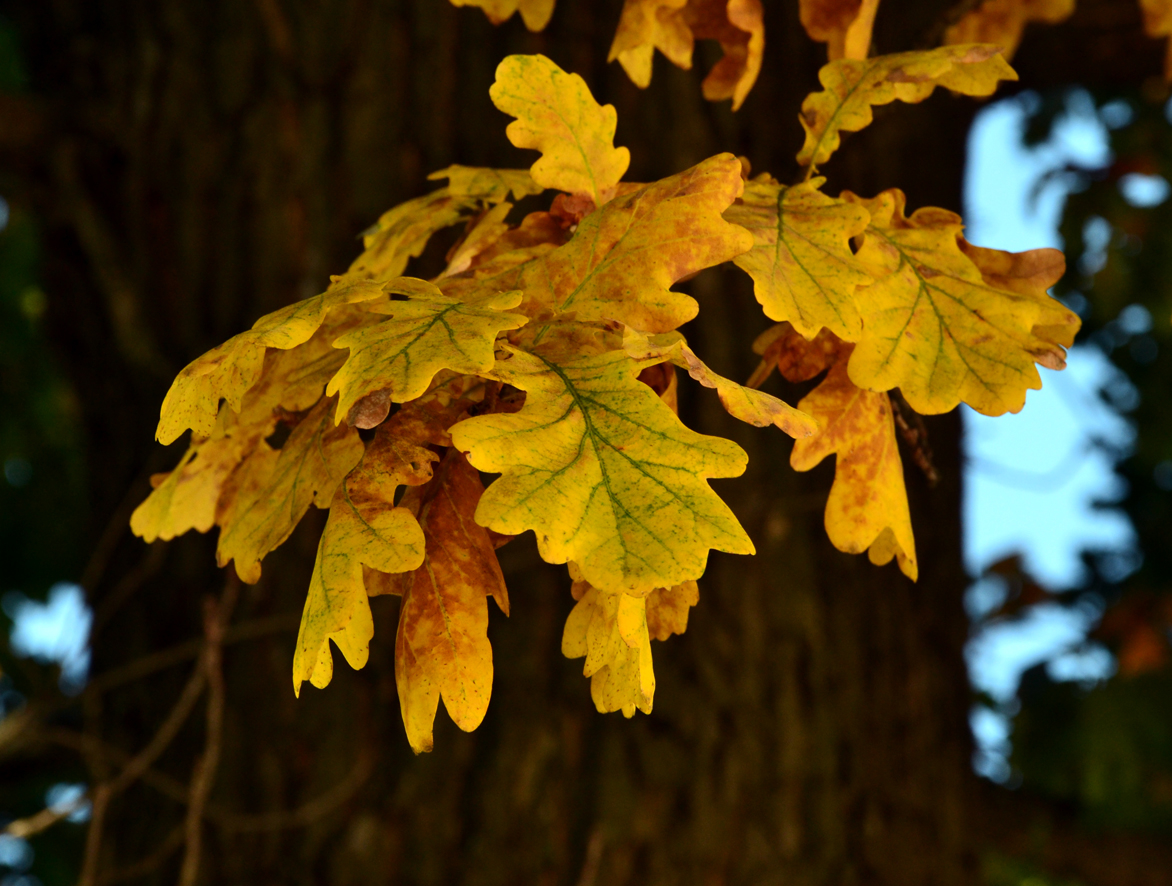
x=546 y=353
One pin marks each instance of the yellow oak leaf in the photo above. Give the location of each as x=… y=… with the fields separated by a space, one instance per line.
x=188 y=497
x=282 y=486
x=401 y=233
x=535 y=13
x=935 y=328
x=673 y=26
x=798 y=359
x=610 y=630
x=557 y=115
x=868 y=502
x=442 y=647
x=749 y=405
x=1003 y=22
x=843 y=25
x=1158 y=23
x=801 y=262
x=1031 y=273
x=422 y=335
x=481 y=236
x=853 y=86
x=604 y=473
x=624 y=258
x=364 y=529
x=490 y=185
x=668 y=608
x=648 y=25
x=739 y=27
x=292 y=380
x=228 y=371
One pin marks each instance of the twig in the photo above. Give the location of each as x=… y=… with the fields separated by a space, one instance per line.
x=144 y=866
x=93 y=838
x=303 y=816
x=911 y=428
x=133 y=770
x=23 y=828
x=593 y=858
x=165 y=658
x=128 y=585
x=214 y=619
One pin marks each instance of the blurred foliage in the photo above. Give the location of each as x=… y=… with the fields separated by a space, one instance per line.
x=1107 y=748
x=43 y=535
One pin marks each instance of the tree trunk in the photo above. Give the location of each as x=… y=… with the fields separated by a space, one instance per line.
x=199 y=164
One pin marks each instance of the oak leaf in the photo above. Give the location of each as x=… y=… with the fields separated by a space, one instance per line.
x=424 y=334
x=624 y=257
x=801 y=262
x=868 y=506
x=673 y=26
x=193 y=494
x=648 y=25
x=187 y=497
x=228 y=371
x=1157 y=16
x=852 y=87
x=557 y=115
x=610 y=630
x=535 y=13
x=403 y=232
x=936 y=328
x=442 y=647
x=604 y=473
x=281 y=487
x=490 y=185
x=749 y=405
x=1003 y=22
x=668 y=608
x=843 y=25
x=364 y=529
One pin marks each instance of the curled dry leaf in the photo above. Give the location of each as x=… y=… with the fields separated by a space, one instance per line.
x=843 y=25
x=673 y=26
x=610 y=630
x=749 y=405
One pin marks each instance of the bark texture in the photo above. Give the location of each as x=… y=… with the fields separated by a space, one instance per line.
x=199 y=164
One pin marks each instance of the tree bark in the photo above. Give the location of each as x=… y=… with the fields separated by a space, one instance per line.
x=199 y=164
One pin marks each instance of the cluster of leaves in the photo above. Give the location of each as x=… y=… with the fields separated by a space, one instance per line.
x=546 y=351
x=672 y=27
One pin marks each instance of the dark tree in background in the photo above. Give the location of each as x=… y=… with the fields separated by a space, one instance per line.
x=176 y=169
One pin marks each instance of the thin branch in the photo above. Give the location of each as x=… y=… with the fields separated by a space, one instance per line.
x=23 y=828
x=93 y=839
x=146 y=865
x=205 y=768
x=166 y=658
x=915 y=435
x=303 y=816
